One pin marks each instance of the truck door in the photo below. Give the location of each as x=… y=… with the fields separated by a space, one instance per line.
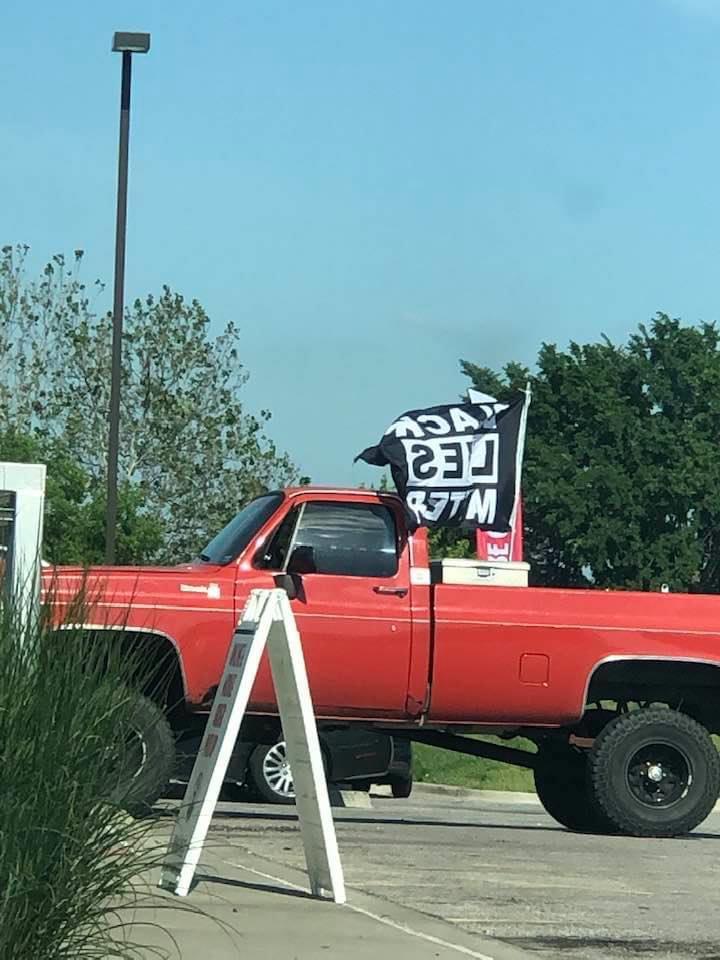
x=352 y=609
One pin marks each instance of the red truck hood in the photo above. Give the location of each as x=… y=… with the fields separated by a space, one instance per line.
x=71 y=570
x=122 y=575
x=110 y=593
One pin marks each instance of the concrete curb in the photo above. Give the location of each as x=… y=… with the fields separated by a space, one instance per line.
x=352 y=799
x=468 y=793
x=509 y=797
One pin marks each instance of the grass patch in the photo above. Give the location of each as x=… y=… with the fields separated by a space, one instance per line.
x=433 y=765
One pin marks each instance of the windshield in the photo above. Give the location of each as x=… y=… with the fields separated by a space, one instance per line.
x=234 y=537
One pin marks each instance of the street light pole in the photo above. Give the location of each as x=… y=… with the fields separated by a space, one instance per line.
x=127 y=44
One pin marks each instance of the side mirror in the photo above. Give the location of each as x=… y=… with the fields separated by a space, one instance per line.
x=300 y=561
x=287 y=582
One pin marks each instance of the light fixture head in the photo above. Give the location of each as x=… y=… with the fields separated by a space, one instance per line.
x=131 y=42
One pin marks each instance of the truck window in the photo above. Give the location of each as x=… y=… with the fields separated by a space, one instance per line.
x=347 y=539
x=233 y=538
x=274 y=554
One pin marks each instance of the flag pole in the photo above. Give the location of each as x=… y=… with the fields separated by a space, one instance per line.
x=519 y=457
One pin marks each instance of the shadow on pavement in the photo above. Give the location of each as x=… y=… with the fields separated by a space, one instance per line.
x=282 y=818
x=244 y=885
x=274 y=815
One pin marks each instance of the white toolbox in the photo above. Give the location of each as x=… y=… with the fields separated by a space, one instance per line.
x=488 y=573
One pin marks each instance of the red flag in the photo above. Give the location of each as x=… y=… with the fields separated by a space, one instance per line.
x=502 y=546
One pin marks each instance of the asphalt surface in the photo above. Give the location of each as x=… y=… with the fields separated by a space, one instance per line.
x=507 y=871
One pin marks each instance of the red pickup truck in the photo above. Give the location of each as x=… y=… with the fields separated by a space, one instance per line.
x=618 y=691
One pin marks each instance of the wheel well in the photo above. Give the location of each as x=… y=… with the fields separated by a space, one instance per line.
x=154 y=662
x=689 y=686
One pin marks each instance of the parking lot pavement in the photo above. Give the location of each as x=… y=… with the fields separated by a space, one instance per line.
x=243 y=905
x=507 y=871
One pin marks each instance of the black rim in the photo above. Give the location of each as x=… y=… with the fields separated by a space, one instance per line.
x=659 y=775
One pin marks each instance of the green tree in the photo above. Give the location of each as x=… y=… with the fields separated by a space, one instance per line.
x=190 y=452
x=622 y=472
x=74 y=528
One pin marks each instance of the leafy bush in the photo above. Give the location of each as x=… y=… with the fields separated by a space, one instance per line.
x=69 y=855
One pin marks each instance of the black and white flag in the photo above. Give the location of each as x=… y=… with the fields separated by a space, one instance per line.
x=456 y=464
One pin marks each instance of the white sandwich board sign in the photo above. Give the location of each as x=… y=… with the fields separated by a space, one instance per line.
x=267 y=621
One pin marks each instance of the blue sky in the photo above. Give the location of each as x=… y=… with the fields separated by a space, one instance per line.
x=373 y=190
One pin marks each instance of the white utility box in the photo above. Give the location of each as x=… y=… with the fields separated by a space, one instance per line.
x=22 y=495
x=488 y=573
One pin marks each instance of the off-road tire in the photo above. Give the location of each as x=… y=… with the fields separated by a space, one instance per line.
x=561 y=782
x=655 y=772
x=140 y=788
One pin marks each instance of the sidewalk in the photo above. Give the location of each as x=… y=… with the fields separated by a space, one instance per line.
x=245 y=911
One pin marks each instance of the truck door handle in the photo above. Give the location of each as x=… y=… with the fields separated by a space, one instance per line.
x=392 y=591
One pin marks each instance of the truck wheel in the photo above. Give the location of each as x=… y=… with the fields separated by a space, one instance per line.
x=562 y=786
x=270 y=773
x=270 y=776
x=148 y=760
x=402 y=788
x=655 y=772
